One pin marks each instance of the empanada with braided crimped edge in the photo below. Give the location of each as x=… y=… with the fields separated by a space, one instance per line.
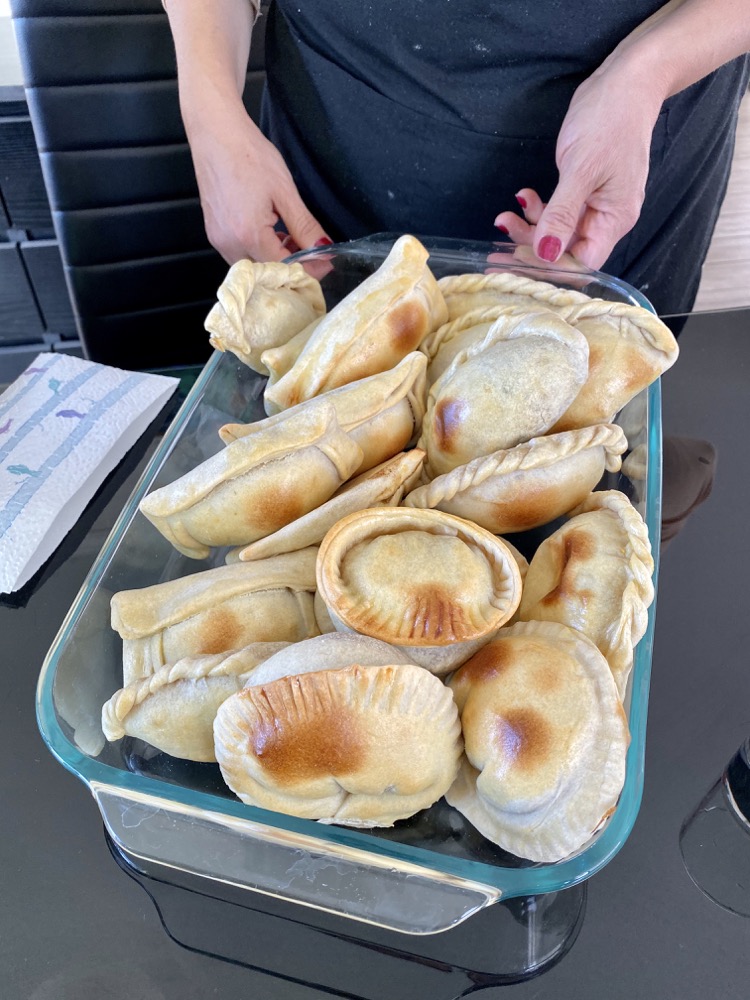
x=174 y=708
x=527 y=486
x=595 y=574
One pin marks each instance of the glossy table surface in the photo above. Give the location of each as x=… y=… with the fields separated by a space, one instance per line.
x=75 y=926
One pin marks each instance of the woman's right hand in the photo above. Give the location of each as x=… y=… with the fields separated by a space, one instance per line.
x=246 y=190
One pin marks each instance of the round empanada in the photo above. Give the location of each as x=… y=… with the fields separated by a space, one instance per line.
x=359 y=746
x=545 y=741
x=595 y=574
x=529 y=485
x=417 y=578
x=503 y=390
x=174 y=708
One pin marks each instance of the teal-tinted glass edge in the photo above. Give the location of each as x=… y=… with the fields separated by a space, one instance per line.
x=510 y=881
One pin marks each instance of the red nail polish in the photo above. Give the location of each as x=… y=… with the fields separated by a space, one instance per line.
x=503 y=230
x=324 y=241
x=550 y=248
x=521 y=201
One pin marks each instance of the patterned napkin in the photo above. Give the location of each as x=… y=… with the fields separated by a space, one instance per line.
x=64 y=425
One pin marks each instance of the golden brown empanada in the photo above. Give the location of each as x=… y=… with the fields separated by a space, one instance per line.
x=595 y=574
x=369 y=331
x=629 y=348
x=359 y=746
x=545 y=741
x=262 y=306
x=270 y=600
x=503 y=390
x=417 y=578
x=382 y=413
x=174 y=708
x=255 y=485
x=468 y=292
x=529 y=485
x=382 y=486
x=278 y=360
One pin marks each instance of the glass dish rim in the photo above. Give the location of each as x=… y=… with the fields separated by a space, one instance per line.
x=508 y=881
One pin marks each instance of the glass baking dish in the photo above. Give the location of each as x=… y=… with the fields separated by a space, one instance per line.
x=425 y=874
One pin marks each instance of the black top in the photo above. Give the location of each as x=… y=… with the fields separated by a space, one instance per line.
x=74 y=926
x=427 y=117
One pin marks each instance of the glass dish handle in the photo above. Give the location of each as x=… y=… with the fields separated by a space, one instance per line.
x=395 y=895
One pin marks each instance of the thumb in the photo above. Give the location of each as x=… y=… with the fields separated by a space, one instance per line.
x=303 y=227
x=557 y=224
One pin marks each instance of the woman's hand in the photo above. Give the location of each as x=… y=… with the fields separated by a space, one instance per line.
x=602 y=158
x=246 y=190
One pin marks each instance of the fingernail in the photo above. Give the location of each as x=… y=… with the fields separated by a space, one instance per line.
x=502 y=229
x=550 y=248
x=324 y=241
x=521 y=201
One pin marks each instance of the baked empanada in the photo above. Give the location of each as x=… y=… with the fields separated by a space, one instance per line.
x=529 y=485
x=230 y=607
x=382 y=413
x=359 y=746
x=369 y=331
x=503 y=390
x=333 y=651
x=595 y=574
x=262 y=306
x=629 y=348
x=417 y=578
x=468 y=292
x=174 y=708
x=255 y=485
x=382 y=486
x=545 y=741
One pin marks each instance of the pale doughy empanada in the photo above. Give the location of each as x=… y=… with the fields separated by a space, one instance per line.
x=174 y=708
x=359 y=746
x=505 y=389
x=545 y=741
x=529 y=485
x=468 y=292
x=262 y=306
x=382 y=413
x=230 y=607
x=417 y=578
x=370 y=330
x=595 y=574
x=333 y=651
x=382 y=486
x=255 y=485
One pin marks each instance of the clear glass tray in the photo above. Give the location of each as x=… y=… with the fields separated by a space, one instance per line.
x=427 y=873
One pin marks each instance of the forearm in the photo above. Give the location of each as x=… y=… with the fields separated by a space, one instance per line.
x=683 y=42
x=212 y=45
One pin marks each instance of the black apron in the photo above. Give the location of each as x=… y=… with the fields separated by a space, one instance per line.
x=426 y=116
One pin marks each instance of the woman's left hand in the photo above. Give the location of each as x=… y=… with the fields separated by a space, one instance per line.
x=602 y=158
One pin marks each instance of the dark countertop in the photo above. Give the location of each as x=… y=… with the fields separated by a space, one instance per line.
x=74 y=926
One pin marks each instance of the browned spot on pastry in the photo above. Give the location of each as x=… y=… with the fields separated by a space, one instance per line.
x=219 y=631
x=302 y=750
x=490 y=661
x=275 y=509
x=407 y=325
x=448 y=416
x=524 y=738
x=577 y=545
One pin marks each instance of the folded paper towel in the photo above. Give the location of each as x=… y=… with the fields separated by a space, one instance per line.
x=64 y=425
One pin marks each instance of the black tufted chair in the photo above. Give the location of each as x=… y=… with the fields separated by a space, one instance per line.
x=101 y=86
